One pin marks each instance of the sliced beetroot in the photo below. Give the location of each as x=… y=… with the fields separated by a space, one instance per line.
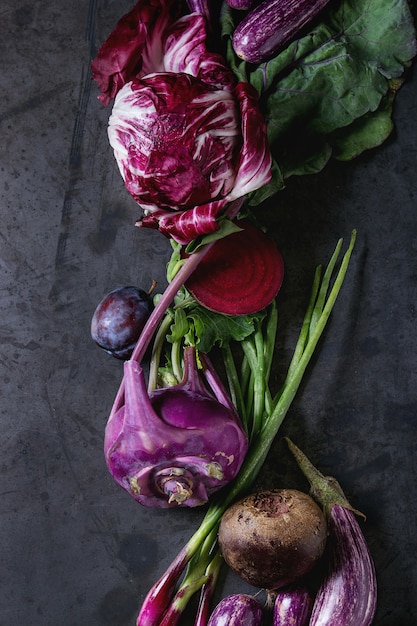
x=241 y=274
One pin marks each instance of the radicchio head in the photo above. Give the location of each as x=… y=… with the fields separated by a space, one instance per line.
x=188 y=140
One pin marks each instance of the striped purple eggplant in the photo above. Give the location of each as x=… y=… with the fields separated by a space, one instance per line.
x=271 y=25
x=347 y=596
x=241 y=5
x=348 y=593
x=237 y=610
x=292 y=607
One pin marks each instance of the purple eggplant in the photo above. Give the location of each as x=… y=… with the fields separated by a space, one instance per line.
x=176 y=445
x=348 y=593
x=347 y=596
x=292 y=607
x=237 y=610
x=271 y=25
x=241 y=5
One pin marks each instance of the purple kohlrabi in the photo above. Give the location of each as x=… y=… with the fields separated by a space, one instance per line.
x=176 y=445
x=187 y=138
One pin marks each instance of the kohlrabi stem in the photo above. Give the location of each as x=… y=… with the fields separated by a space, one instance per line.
x=176 y=360
x=215 y=382
x=164 y=302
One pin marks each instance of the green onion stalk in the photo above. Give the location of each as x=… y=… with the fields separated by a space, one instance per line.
x=196 y=567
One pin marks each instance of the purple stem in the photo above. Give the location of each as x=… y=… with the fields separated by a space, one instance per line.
x=160 y=595
x=167 y=297
x=215 y=382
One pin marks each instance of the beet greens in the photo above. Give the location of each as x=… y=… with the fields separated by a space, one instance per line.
x=197 y=565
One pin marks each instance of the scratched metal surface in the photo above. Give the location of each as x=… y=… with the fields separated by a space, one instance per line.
x=74 y=548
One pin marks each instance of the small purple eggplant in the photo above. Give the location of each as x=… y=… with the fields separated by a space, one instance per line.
x=292 y=607
x=347 y=596
x=237 y=610
x=176 y=445
x=271 y=25
x=240 y=5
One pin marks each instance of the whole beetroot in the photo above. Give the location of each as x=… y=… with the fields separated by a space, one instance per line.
x=273 y=537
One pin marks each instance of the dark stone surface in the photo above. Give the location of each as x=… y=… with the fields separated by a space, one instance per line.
x=74 y=548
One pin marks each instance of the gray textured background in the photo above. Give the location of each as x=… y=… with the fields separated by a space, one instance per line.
x=75 y=550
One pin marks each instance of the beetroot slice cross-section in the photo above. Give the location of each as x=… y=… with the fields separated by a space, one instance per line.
x=241 y=274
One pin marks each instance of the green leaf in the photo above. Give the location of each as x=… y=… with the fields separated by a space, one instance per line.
x=276 y=184
x=369 y=131
x=331 y=89
x=226 y=227
x=215 y=329
x=179 y=327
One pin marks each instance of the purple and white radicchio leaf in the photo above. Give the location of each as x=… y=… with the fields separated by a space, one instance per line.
x=187 y=139
x=175 y=140
x=184 y=226
x=254 y=167
x=184 y=146
x=136 y=38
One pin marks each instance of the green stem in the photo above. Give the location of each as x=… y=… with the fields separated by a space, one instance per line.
x=157 y=350
x=259 y=383
x=303 y=336
x=270 y=338
x=255 y=393
x=245 y=374
x=234 y=383
x=321 y=298
x=207 y=590
x=293 y=378
x=176 y=360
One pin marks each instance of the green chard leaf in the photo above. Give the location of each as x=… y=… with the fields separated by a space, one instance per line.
x=329 y=92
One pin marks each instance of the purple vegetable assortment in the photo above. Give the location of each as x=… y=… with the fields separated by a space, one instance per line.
x=195 y=130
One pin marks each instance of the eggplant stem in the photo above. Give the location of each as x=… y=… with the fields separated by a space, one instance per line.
x=324 y=489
